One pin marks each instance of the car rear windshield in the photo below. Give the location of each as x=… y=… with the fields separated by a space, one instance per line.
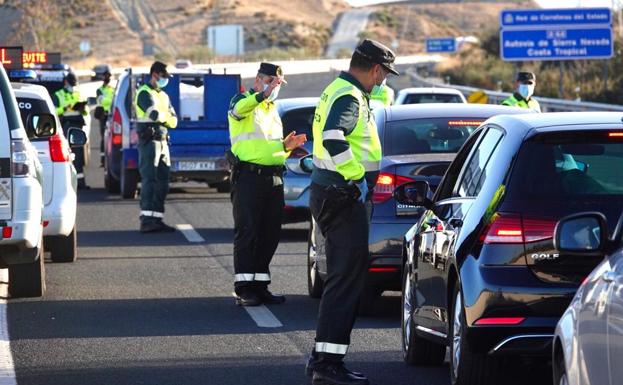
x=426 y=136
x=432 y=98
x=579 y=164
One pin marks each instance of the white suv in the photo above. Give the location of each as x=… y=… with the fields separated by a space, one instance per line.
x=21 y=240
x=59 y=174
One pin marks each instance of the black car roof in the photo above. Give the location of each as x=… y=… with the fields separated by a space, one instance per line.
x=412 y=111
x=556 y=121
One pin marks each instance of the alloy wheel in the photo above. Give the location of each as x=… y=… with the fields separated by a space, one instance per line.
x=456 y=334
x=407 y=311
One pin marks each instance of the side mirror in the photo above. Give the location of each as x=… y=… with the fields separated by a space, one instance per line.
x=91 y=100
x=76 y=137
x=582 y=234
x=307 y=164
x=41 y=125
x=416 y=193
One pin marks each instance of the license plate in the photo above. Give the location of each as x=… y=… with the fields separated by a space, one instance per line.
x=195 y=166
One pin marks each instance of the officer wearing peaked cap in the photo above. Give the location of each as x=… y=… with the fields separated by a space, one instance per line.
x=258 y=154
x=347 y=156
x=524 y=89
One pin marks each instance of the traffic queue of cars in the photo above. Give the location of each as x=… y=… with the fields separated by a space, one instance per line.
x=37 y=186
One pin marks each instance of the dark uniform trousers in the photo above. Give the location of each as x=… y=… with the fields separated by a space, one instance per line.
x=258 y=209
x=346 y=247
x=154 y=178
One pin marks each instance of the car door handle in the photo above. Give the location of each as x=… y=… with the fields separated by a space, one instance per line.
x=609 y=276
x=456 y=222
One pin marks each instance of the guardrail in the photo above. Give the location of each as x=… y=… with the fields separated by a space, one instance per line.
x=495 y=97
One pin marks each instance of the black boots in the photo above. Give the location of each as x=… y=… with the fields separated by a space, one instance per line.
x=335 y=373
x=258 y=296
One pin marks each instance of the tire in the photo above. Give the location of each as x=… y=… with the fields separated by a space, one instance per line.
x=315 y=285
x=112 y=185
x=466 y=366
x=129 y=183
x=64 y=248
x=560 y=372
x=28 y=280
x=416 y=350
x=367 y=300
x=223 y=187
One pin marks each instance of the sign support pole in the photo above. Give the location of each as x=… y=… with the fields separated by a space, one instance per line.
x=561 y=84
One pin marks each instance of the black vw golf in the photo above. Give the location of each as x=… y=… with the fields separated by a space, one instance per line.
x=481 y=274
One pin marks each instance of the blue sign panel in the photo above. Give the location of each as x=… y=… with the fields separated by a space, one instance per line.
x=446 y=45
x=547 y=17
x=556 y=44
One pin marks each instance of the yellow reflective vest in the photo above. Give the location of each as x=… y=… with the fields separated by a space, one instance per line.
x=106 y=93
x=255 y=130
x=364 y=154
x=66 y=101
x=515 y=101
x=384 y=94
x=161 y=103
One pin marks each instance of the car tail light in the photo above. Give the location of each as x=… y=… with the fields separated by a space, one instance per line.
x=385 y=185
x=59 y=149
x=511 y=228
x=22 y=163
x=116 y=128
x=615 y=134
x=7 y=232
x=500 y=321
x=299 y=152
x=383 y=270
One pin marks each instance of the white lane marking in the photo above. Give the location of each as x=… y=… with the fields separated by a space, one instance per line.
x=7 y=368
x=263 y=317
x=190 y=233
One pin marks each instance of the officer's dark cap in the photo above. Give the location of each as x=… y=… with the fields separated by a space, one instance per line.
x=71 y=79
x=377 y=53
x=271 y=70
x=160 y=68
x=526 y=77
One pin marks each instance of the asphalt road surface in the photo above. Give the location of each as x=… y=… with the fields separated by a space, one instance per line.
x=158 y=309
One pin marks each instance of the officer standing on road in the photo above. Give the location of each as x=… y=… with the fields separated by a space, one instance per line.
x=346 y=165
x=155 y=117
x=71 y=110
x=104 y=100
x=383 y=93
x=258 y=154
x=524 y=89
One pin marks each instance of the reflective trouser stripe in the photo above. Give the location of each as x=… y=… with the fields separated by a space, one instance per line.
x=80 y=175
x=327 y=347
x=71 y=113
x=154 y=214
x=244 y=277
x=262 y=277
x=248 y=277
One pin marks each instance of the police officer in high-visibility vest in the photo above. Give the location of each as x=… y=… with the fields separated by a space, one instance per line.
x=383 y=93
x=155 y=116
x=71 y=110
x=258 y=154
x=346 y=156
x=104 y=100
x=524 y=89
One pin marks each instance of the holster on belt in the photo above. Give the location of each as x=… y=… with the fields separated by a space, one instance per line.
x=338 y=199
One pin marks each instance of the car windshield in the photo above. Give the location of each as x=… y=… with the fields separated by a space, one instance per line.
x=583 y=165
x=425 y=136
x=432 y=98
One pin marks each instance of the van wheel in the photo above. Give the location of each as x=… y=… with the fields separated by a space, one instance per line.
x=64 y=248
x=129 y=183
x=416 y=350
x=466 y=366
x=314 y=282
x=112 y=185
x=28 y=280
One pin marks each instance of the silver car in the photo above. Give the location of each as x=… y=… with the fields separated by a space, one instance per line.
x=588 y=345
x=297 y=114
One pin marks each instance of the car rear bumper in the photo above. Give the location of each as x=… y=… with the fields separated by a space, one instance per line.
x=535 y=340
x=385 y=245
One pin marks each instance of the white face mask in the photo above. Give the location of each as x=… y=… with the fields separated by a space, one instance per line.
x=526 y=90
x=69 y=88
x=273 y=95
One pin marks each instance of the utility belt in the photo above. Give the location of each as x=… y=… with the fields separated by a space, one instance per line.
x=148 y=132
x=238 y=166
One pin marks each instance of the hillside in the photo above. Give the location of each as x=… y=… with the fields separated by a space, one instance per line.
x=131 y=32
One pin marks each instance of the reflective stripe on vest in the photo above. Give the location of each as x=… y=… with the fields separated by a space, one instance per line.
x=257 y=137
x=161 y=104
x=364 y=142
